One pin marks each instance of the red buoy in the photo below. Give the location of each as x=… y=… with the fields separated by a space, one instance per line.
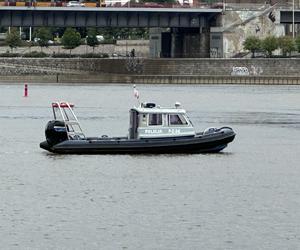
x=25 y=90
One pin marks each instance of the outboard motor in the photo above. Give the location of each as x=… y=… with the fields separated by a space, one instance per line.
x=55 y=132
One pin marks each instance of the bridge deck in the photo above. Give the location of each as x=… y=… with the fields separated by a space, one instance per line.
x=114 y=9
x=106 y=17
x=286 y=16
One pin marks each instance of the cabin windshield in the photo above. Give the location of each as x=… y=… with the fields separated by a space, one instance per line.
x=155 y=119
x=177 y=119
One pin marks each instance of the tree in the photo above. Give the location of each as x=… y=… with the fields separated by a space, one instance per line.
x=71 y=39
x=91 y=39
x=43 y=35
x=13 y=39
x=252 y=44
x=269 y=44
x=287 y=45
x=123 y=33
x=297 y=43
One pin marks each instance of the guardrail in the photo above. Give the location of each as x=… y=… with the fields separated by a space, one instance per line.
x=149 y=79
x=216 y=5
x=43 y=4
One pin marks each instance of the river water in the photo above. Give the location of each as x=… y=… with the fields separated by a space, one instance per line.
x=247 y=197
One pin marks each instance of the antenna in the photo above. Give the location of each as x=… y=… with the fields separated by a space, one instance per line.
x=136 y=93
x=177 y=105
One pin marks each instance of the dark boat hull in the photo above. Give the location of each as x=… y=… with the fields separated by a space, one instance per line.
x=210 y=143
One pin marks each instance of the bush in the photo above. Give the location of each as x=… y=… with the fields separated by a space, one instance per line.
x=297 y=43
x=7 y=54
x=35 y=54
x=108 y=41
x=91 y=39
x=13 y=39
x=269 y=44
x=287 y=45
x=70 y=39
x=91 y=55
x=252 y=44
x=44 y=35
x=63 y=55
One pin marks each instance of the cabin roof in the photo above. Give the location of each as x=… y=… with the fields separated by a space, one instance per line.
x=159 y=110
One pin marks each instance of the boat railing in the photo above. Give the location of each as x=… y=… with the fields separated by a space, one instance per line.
x=64 y=110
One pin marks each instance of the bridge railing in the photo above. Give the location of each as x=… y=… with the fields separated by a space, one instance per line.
x=26 y=3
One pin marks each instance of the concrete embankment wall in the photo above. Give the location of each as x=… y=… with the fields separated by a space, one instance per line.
x=139 y=70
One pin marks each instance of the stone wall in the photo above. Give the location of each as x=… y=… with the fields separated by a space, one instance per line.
x=122 y=48
x=225 y=67
x=237 y=25
x=138 y=66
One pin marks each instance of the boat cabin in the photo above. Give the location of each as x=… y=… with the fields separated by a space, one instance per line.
x=152 y=121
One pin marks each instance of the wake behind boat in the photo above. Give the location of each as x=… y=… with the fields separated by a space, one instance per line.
x=153 y=129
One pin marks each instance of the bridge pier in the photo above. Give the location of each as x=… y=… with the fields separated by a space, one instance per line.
x=179 y=42
x=176 y=44
x=204 y=40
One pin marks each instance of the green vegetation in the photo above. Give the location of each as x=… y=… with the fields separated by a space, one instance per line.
x=269 y=44
x=91 y=39
x=13 y=39
x=297 y=43
x=94 y=55
x=8 y=54
x=35 y=54
x=286 y=43
x=71 y=39
x=43 y=36
x=252 y=44
x=113 y=34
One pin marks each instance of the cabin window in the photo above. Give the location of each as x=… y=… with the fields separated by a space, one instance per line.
x=177 y=119
x=155 y=119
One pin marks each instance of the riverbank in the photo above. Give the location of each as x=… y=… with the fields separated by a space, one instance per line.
x=151 y=71
x=150 y=79
x=121 y=48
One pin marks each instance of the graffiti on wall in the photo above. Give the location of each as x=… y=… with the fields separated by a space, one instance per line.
x=244 y=71
x=256 y=70
x=240 y=71
x=214 y=53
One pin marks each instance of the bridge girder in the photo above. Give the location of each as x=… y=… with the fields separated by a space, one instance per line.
x=286 y=16
x=103 y=17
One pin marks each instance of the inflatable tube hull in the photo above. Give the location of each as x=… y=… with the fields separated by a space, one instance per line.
x=201 y=143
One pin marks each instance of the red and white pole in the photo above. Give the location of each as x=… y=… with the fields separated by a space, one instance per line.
x=25 y=90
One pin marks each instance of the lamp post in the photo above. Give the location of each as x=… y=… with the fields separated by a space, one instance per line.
x=293 y=25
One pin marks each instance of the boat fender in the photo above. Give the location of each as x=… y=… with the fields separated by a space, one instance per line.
x=210 y=130
x=228 y=128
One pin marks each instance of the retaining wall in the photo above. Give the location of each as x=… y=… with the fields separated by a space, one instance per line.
x=242 y=71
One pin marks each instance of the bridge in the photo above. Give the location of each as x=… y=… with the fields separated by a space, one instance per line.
x=286 y=16
x=106 y=17
x=174 y=32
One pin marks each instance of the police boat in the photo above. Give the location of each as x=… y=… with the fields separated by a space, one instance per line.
x=152 y=129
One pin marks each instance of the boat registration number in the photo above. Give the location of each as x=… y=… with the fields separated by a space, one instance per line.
x=153 y=131
x=174 y=131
